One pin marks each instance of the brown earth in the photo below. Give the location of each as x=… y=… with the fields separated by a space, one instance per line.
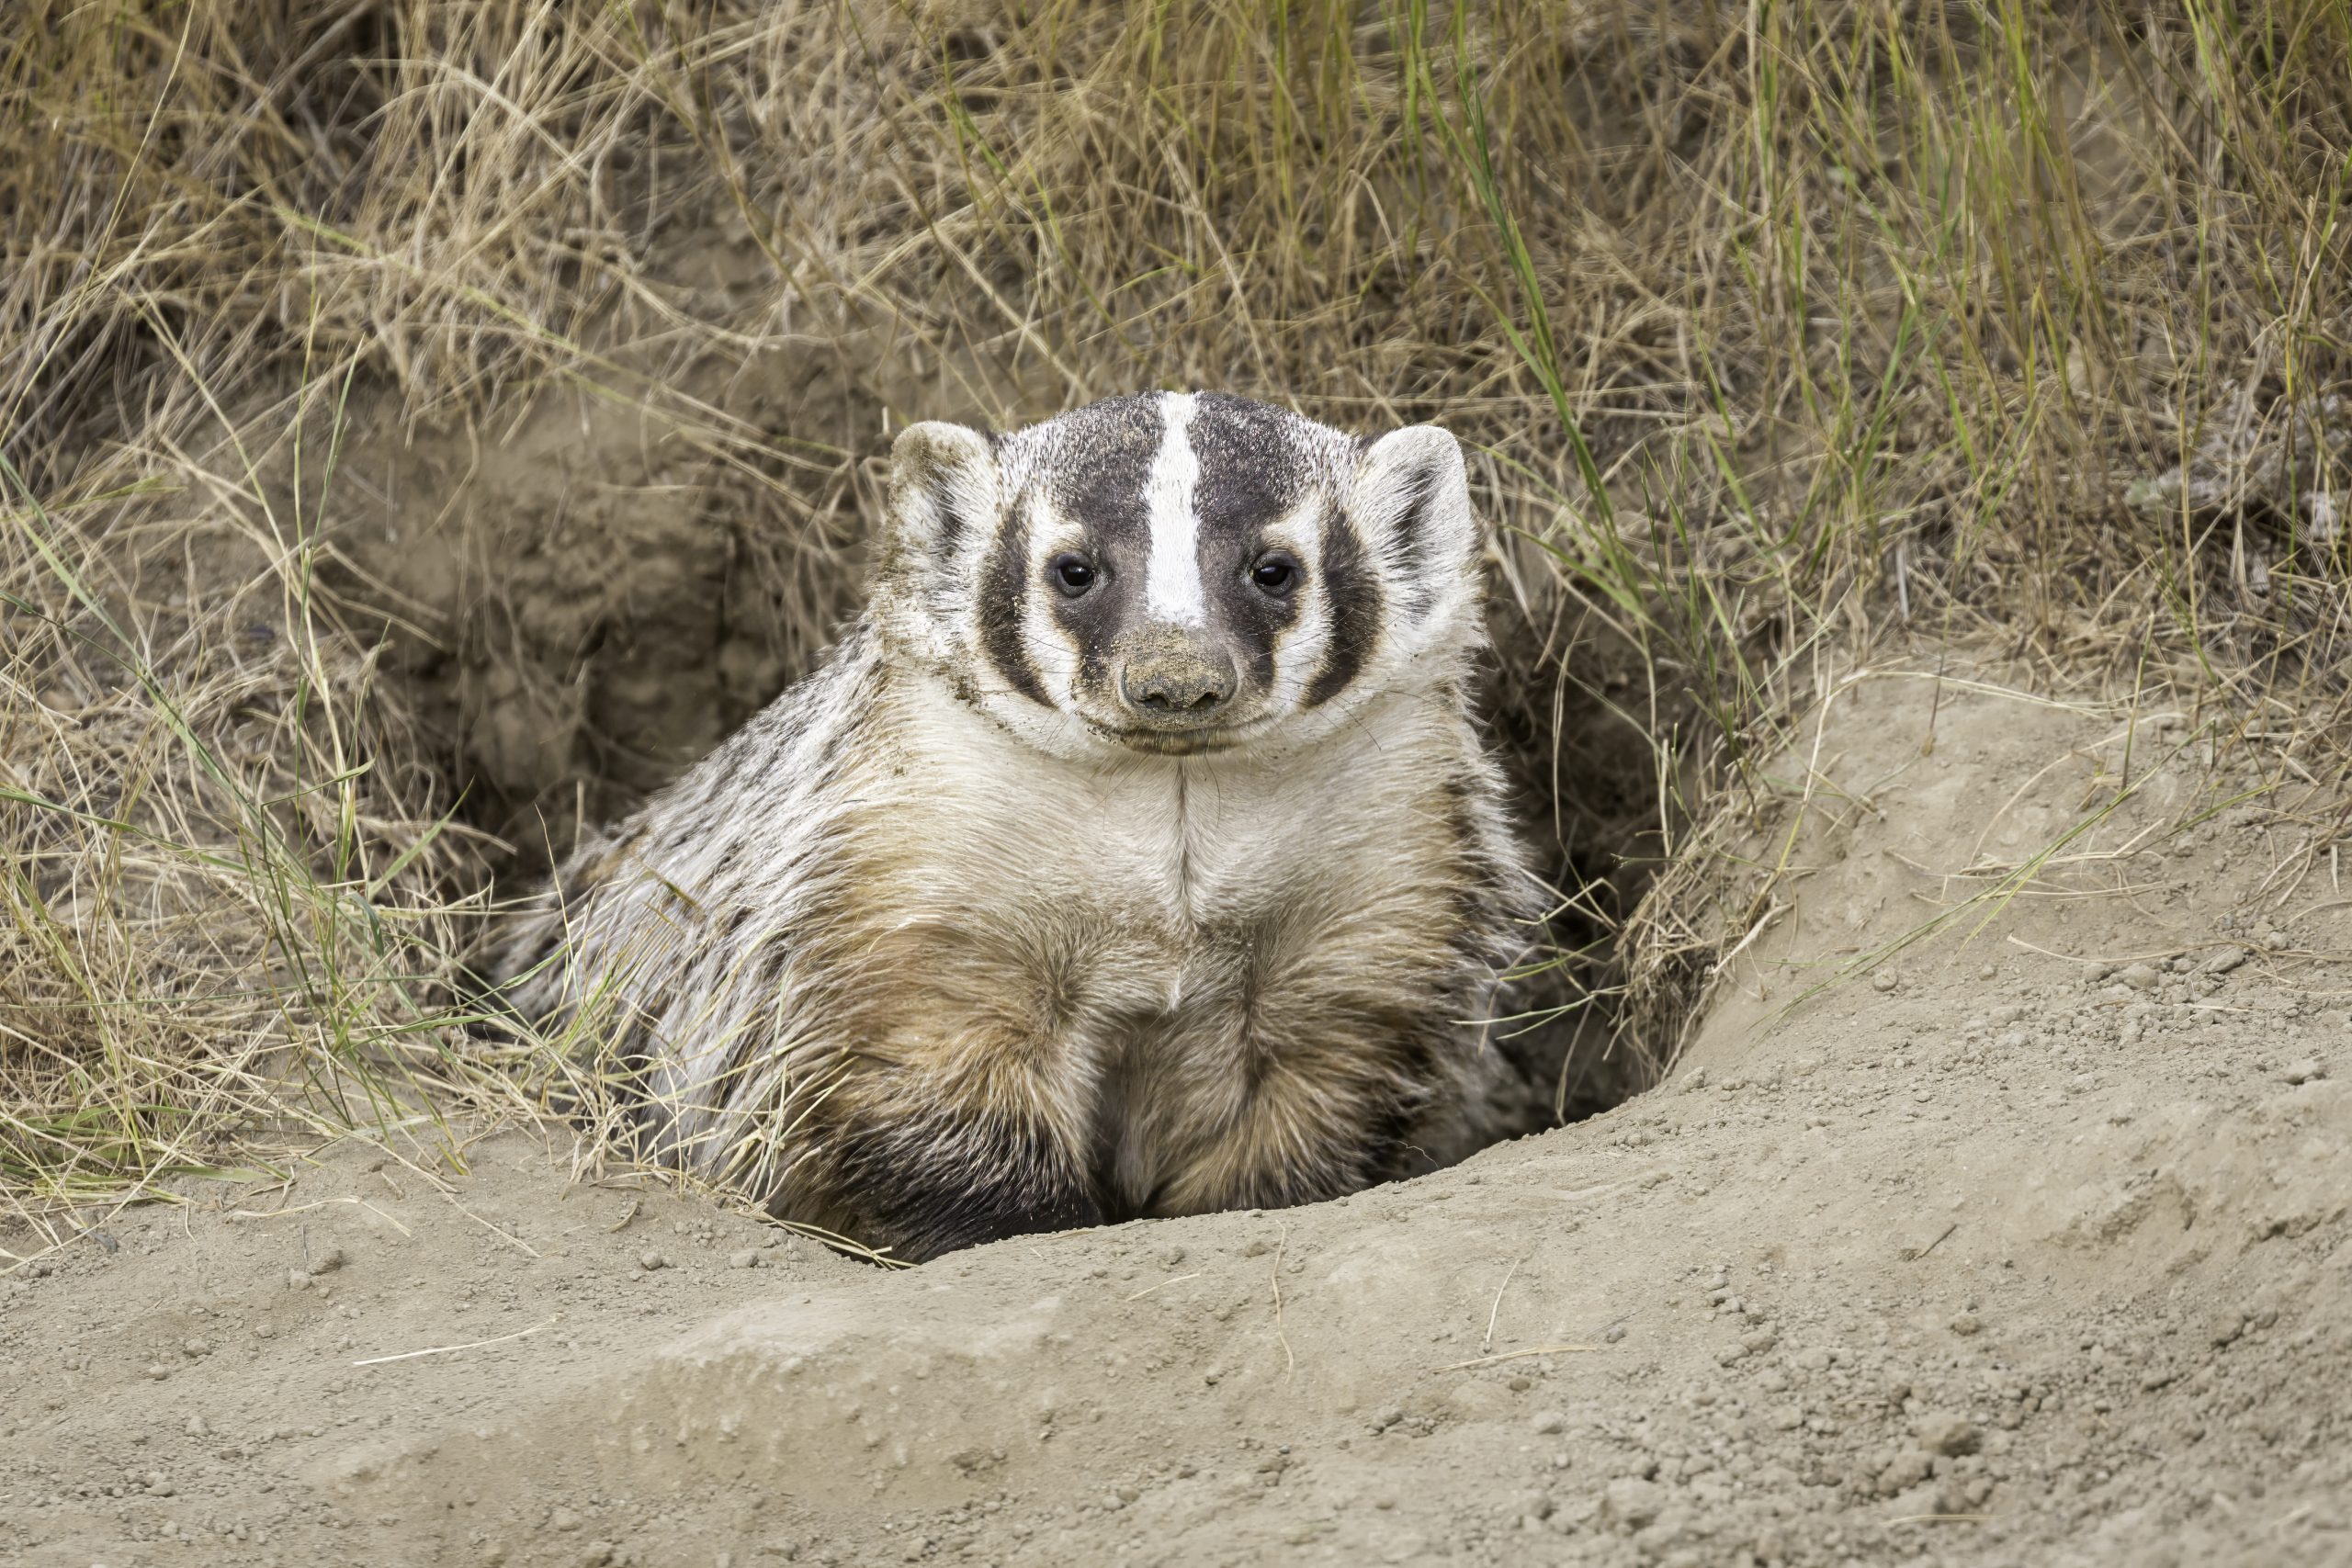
x=2026 y=1245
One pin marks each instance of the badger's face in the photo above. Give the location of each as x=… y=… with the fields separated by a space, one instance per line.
x=1179 y=573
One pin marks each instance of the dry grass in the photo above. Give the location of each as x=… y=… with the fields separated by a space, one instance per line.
x=1782 y=332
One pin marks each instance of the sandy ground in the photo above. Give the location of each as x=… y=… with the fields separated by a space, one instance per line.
x=2026 y=1248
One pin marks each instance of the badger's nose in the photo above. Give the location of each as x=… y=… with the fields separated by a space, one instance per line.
x=1177 y=685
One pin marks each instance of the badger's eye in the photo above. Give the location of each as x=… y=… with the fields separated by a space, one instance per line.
x=1073 y=574
x=1276 y=574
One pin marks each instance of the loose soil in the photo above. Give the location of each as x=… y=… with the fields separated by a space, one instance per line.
x=2025 y=1243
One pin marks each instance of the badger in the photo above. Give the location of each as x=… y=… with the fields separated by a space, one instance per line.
x=1134 y=854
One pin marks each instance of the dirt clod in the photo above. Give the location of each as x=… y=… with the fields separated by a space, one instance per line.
x=1950 y=1435
x=1902 y=1472
x=1631 y=1503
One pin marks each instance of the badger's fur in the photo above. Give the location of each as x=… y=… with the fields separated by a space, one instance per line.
x=1135 y=854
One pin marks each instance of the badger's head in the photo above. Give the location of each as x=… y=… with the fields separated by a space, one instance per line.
x=1179 y=573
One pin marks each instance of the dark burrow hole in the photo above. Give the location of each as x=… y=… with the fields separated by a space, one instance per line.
x=578 y=620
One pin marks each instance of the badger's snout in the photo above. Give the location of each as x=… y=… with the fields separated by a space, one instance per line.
x=1170 y=681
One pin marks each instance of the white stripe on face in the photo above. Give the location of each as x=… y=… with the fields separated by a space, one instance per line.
x=1172 y=589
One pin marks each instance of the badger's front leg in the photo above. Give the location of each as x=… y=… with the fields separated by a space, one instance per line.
x=925 y=1166
x=964 y=1109
x=1310 y=1097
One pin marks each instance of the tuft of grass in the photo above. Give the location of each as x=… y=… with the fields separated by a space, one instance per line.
x=1780 y=334
x=219 y=920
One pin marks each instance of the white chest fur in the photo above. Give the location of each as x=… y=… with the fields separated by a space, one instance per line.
x=1179 y=842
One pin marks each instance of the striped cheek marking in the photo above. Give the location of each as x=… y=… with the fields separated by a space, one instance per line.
x=1172 y=588
x=1005 y=583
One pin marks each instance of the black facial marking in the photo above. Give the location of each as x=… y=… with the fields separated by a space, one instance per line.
x=1251 y=467
x=1098 y=459
x=1253 y=618
x=1004 y=580
x=1095 y=619
x=1255 y=623
x=1096 y=616
x=1101 y=458
x=1253 y=470
x=1354 y=595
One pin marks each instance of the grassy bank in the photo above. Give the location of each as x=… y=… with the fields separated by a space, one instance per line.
x=1779 y=333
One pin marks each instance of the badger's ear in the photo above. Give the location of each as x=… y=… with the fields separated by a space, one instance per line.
x=1411 y=504
x=943 y=495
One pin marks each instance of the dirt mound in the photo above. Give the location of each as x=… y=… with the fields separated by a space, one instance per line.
x=2027 y=1243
